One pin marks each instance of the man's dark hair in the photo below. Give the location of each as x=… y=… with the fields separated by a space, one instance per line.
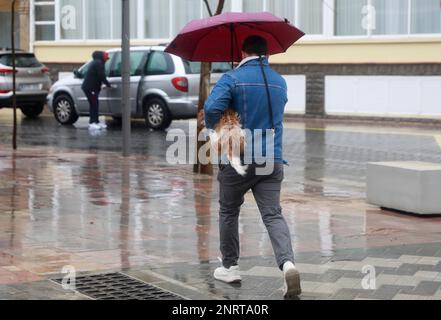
x=255 y=45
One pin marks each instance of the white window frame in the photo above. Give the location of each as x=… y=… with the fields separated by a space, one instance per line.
x=328 y=23
x=34 y=23
x=368 y=36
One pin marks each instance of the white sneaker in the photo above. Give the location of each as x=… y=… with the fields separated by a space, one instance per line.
x=102 y=125
x=230 y=275
x=291 y=275
x=94 y=126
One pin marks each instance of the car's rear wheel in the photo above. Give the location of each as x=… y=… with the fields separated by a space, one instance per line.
x=157 y=115
x=64 y=110
x=32 y=111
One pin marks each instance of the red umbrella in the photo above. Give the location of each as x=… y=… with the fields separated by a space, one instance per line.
x=218 y=38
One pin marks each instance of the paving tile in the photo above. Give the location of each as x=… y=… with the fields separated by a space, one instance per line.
x=326 y=288
x=403 y=296
x=310 y=286
x=427 y=288
x=345 y=294
x=407 y=281
x=348 y=283
x=409 y=258
x=311 y=268
x=386 y=292
x=405 y=269
x=263 y=272
x=380 y=262
x=429 y=260
x=427 y=275
x=386 y=279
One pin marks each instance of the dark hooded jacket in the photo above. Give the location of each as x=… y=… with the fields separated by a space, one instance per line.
x=96 y=74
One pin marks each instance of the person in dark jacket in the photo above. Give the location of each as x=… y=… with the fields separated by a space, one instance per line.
x=93 y=80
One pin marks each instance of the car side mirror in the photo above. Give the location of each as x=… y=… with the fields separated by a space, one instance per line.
x=77 y=74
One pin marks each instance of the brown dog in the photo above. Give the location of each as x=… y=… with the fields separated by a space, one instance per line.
x=229 y=139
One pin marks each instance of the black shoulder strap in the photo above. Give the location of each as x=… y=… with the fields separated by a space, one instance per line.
x=270 y=107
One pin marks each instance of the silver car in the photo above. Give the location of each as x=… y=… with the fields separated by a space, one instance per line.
x=163 y=87
x=32 y=82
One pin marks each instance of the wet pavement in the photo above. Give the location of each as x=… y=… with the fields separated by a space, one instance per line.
x=69 y=199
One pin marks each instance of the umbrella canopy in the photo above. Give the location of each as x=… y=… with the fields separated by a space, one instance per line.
x=219 y=38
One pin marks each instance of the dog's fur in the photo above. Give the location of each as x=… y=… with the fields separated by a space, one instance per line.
x=229 y=139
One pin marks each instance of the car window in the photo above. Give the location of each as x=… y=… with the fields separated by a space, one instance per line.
x=136 y=58
x=22 y=60
x=82 y=71
x=192 y=67
x=159 y=63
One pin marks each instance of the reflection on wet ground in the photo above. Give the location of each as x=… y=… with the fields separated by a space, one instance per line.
x=69 y=198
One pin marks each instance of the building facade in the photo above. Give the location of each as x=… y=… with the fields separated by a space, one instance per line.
x=22 y=26
x=374 y=57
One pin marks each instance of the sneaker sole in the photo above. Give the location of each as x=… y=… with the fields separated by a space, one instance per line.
x=292 y=279
x=235 y=280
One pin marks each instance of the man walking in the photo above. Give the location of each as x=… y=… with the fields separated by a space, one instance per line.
x=95 y=77
x=258 y=94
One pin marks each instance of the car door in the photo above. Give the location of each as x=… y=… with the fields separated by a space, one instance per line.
x=79 y=96
x=114 y=95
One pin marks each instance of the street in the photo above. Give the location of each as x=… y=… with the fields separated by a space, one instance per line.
x=68 y=198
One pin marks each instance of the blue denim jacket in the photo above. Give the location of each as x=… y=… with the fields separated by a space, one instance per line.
x=243 y=90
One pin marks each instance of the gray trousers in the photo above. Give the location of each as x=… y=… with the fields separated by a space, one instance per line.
x=266 y=191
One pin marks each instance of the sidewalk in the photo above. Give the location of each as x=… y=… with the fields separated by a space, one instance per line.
x=100 y=213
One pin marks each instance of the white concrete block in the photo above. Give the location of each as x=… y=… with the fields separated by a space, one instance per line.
x=409 y=186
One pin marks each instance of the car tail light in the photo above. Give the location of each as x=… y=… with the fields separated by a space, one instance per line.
x=4 y=72
x=4 y=91
x=45 y=70
x=180 y=83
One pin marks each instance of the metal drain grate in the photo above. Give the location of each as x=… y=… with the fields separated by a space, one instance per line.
x=117 y=286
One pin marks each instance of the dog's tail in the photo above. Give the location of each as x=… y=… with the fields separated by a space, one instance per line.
x=237 y=165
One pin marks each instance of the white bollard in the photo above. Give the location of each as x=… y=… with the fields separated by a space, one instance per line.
x=409 y=186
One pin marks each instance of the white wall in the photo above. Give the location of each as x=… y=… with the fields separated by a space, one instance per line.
x=296 y=94
x=383 y=95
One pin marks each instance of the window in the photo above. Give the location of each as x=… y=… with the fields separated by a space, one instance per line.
x=349 y=17
x=310 y=16
x=425 y=16
x=183 y=12
x=156 y=19
x=71 y=19
x=159 y=63
x=387 y=17
x=22 y=60
x=213 y=7
x=390 y=16
x=136 y=58
x=253 y=5
x=163 y=19
x=283 y=9
x=82 y=71
x=97 y=19
x=44 y=20
x=116 y=21
x=192 y=67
